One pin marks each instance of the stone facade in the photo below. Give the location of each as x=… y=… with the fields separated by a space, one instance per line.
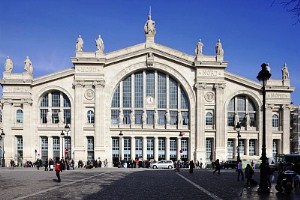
x=147 y=101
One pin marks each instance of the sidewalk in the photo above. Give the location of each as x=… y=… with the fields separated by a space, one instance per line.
x=251 y=193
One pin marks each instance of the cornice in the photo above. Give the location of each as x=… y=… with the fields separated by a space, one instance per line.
x=53 y=76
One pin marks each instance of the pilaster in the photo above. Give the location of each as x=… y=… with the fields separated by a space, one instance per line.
x=286 y=129
x=220 y=123
x=200 y=133
x=132 y=148
x=99 y=119
x=269 y=138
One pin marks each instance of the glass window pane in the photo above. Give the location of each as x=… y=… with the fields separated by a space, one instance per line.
x=241 y=103
x=184 y=99
x=55 y=99
x=127 y=92
x=116 y=98
x=162 y=90
x=173 y=88
x=138 y=90
x=150 y=83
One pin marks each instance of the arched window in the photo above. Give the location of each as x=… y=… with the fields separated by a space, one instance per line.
x=275 y=121
x=90 y=117
x=157 y=94
x=19 y=116
x=241 y=109
x=209 y=119
x=51 y=104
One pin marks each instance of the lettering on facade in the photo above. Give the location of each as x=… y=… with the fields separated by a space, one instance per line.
x=277 y=95
x=211 y=73
x=88 y=69
x=16 y=89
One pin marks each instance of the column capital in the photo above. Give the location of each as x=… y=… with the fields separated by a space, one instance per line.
x=200 y=86
x=219 y=85
x=100 y=83
x=286 y=107
x=78 y=84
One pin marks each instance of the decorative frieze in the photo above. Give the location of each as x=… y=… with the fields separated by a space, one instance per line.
x=275 y=95
x=210 y=73
x=16 y=89
x=87 y=69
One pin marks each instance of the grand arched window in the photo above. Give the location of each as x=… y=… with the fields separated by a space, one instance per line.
x=150 y=97
x=241 y=109
x=55 y=107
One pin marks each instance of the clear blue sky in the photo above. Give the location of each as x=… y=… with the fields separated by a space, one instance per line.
x=252 y=32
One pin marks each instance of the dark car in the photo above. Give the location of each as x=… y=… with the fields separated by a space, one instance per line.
x=229 y=164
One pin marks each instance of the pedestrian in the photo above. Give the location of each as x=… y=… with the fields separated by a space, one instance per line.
x=192 y=166
x=51 y=164
x=240 y=170
x=269 y=174
x=46 y=165
x=58 y=169
x=217 y=166
x=201 y=165
x=249 y=173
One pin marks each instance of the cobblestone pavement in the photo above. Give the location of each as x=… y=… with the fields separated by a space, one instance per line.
x=114 y=183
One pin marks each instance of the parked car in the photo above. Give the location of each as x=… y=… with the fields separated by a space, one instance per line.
x=229 y=164
x=162 y=164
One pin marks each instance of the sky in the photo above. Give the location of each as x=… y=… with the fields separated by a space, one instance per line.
x=252 y=32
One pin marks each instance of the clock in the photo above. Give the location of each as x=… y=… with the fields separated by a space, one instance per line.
x=150 y=100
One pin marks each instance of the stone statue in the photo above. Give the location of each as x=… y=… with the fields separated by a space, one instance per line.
x=179 y=118
x=248 y=120
x=285 y=72
x=132 y=117
x=199 y=48
x=236 y=119
x=49 y=117
x=219 y=49
x=28 y=65
x=8 y=65
x=155 y=116
x=61 y=117
x=99 y=44
x=79 y=44
x=150 y=25
x=121 y=117
x=144 y=117
x=167 y=117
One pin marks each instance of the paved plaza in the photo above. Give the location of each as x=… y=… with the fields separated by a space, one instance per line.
x=115 y=183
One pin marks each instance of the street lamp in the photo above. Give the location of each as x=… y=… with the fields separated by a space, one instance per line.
x=67 y=129
x=2 y=138
x=263 y=76
x=238 y=129
x=62 y=143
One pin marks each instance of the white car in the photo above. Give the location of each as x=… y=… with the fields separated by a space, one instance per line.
x=162 y=164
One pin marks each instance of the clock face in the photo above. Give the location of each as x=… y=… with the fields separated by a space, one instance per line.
x=150 y=99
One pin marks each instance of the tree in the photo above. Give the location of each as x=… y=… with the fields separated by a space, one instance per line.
x=292 y=6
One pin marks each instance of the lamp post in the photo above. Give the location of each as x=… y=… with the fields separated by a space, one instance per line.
x=62 y=134
x=2 y=138
x=263 y=76
x=238 y=129
x=66 y=130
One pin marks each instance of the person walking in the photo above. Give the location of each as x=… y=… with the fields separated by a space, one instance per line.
x=58 y=169
x=240 y=170
x=46 y=165
x=249 y=173
x=218 y=166
x=192 y=166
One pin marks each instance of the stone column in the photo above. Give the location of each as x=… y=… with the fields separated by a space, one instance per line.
x=144 y=147
x=167 y=148
x=178 y=148
x=133 y=148
x=156 y=148
x=246 y=144
x=220 y=122
x=77 y=118
x=269 y=139
x=286 y=129
x=99 y=119
x=50 y=147
x=28 y=137
x=121 y=147
x=200 y=133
